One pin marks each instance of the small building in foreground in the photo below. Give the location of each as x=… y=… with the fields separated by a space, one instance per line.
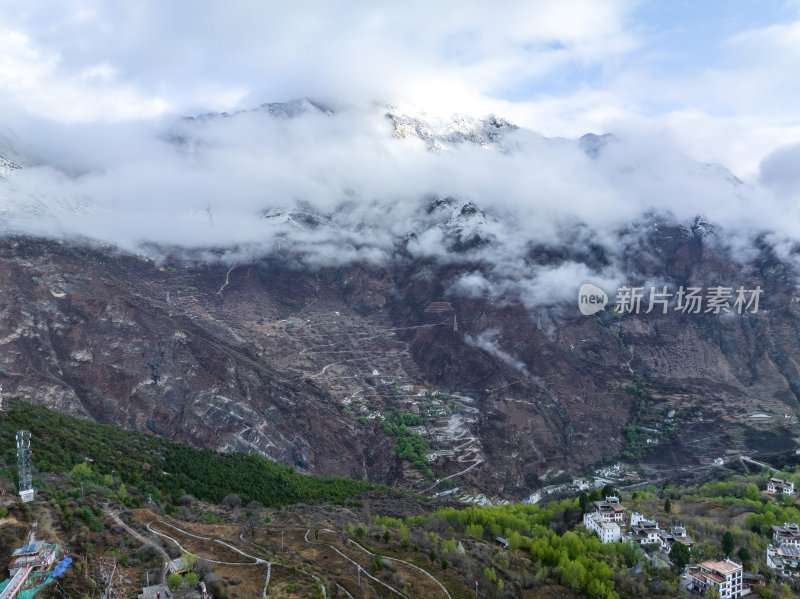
x=723 y=576
x=787 y=534
x=779 y=486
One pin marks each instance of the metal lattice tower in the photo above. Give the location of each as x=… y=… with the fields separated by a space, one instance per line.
x=24 y=465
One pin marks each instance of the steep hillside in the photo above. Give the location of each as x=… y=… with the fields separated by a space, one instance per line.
x=299 y=363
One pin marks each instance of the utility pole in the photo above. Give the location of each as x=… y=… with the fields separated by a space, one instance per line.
x=455 y=323
x=476 y=589
x=359 y=574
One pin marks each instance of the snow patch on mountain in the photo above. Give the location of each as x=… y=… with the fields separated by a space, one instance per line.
x=7 y=167
x=444 y=133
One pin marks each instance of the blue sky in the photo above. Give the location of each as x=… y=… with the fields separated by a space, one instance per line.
x=717 y=76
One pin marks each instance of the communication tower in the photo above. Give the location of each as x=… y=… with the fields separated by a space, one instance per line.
x=24 y=465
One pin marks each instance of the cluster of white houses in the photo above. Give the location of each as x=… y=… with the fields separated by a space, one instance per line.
x=783 y=554
x=608 y=520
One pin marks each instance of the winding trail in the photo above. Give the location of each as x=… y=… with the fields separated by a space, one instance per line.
x=228 y=545
x=258 y=560
x=480 y=461
x=402 y=561
x=344 y=590
x=357 y=565
x=266 y=582
x=141 y=538
x=208 y=559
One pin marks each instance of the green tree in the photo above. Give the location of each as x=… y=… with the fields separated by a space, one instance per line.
x=189 y=560
x=377 y=563
x=474 y=530
x=751 y=492
x=727 y=543
x=711 y=593
x=174 y=581
x=679 y=556
x=744 y=555
x=667 y=505
x=191 y=579
x=81 y=472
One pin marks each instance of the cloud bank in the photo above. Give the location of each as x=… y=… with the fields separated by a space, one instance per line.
x=363 y=185
x=92 y=95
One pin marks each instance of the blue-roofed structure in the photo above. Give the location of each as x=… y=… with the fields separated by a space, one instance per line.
x=30 y=570
x=29 y=549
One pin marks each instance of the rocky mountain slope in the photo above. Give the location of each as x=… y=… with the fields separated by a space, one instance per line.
x=297 y=364
x=457 y=310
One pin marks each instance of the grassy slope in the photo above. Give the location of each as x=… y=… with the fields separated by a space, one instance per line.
x=158 y=465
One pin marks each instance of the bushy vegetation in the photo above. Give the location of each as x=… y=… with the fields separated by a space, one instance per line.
x=577 y=560
x=635 y=436
x=96 y=453
x=408 y=445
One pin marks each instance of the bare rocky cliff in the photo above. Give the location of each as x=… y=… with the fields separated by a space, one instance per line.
x=300 y=363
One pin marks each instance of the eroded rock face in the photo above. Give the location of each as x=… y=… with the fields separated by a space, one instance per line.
x=298 y=363
x=92 y=334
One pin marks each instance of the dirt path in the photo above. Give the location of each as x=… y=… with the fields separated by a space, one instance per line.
x=453 y=475
x=208 y=559
x=258 y=560
x=144 y=540
x=402 y=561
x=357 y=565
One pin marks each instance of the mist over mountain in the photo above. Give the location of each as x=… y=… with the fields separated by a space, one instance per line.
x=325 y=186
x=281 y=279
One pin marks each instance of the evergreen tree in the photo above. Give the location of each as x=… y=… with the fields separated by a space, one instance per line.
x=744 y=556
x=667 y=505
x=679 y=556
x=727 y=543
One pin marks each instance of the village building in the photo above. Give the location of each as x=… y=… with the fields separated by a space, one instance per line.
x=724 y=576
x=787 y=534
x=784 y=560
x=643 y=531
x=778 y=486
x=669 y=536
x=606 y=519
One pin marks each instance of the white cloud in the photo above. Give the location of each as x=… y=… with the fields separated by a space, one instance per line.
x=31 y=80
x=89 y=88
